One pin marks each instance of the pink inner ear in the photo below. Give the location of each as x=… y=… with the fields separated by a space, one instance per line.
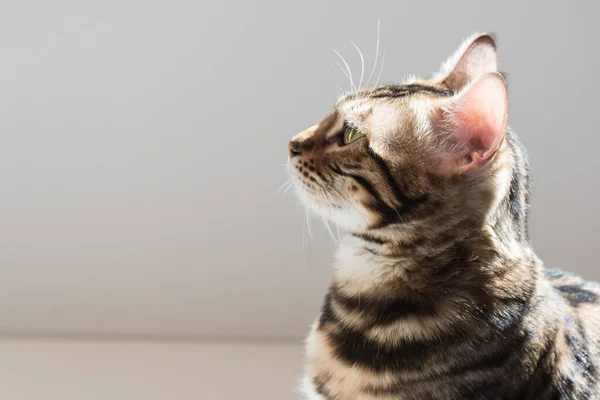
x=480 y=115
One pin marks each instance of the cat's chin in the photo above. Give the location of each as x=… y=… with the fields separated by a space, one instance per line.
x=344 y=216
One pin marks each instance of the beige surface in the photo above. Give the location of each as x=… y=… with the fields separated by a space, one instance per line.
x=122 y=370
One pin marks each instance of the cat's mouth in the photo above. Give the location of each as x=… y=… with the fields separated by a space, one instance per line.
x=322 y=198
x=311 y=186
x=315 y=186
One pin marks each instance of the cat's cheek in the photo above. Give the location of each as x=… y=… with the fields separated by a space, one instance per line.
x=348 y=218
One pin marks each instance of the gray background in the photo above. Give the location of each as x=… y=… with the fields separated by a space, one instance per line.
x=142 y=144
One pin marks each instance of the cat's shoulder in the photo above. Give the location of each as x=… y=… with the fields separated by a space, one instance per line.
x=573 y=288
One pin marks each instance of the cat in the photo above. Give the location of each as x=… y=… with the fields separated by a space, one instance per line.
x=436 y=291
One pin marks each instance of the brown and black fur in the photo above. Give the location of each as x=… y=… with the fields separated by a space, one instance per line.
x=445 y=298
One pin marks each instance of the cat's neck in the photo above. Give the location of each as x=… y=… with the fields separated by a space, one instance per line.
x=463 y=266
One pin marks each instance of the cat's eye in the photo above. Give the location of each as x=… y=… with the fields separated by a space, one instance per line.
x=351 y=134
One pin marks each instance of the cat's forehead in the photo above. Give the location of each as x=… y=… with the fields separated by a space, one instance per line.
x=363 y=102
x=377 y=114
x=361 y=106
x=356 y=107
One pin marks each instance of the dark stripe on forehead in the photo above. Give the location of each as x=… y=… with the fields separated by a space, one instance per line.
x=396 y=91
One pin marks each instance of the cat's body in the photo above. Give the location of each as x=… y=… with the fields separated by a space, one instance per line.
x=537 y=337
x=436 y=292
x=550 y=354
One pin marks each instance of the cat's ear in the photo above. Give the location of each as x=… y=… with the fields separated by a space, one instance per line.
x=476 y=122
x=476 y=56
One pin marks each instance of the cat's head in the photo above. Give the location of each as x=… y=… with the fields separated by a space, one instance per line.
x=390 y=156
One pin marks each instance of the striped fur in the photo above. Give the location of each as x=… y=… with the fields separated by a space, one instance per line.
x=436 y=292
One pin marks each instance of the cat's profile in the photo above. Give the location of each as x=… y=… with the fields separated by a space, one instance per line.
x=436 y=291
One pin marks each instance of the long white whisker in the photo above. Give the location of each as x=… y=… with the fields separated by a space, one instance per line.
x=325 y=220
x=326 y=223
x=347 y=68
x=376 y=55
x=329 y=195
x=349 y=218
x=303 y=243
x=308 y=224
x=349 y=202
x=285 y=184
x=286 y=190
x=381 y=68
x=362 y=65
x=344 y=71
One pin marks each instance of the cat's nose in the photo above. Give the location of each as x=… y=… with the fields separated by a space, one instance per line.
x=295 y=148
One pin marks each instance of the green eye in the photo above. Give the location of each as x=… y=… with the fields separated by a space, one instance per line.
x=351 y=134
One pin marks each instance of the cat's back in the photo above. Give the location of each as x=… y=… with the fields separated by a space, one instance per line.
x=581 y=295
x=583 y=298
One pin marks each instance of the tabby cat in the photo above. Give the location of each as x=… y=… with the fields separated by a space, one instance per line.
x=436 y=291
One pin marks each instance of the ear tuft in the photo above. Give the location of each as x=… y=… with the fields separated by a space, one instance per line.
x=477 y=55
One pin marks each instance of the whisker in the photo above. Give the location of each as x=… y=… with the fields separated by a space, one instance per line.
x=347 y=68
x=344 y=71
x=286 y=190
x=329 y=195
x=399 y=217
x=362 y=65
x=326 y=224
x=376 y=55
x=308 y=224
x=285 y=184
x=380 y=68
x=337 y=227
x=349 y=202
x=325 y=221
x=303 y=243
